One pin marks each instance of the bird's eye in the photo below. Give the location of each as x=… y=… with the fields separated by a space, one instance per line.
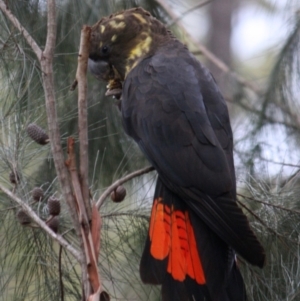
x=105 y=50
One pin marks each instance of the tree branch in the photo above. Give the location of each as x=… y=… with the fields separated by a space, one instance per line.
x=45 y=58
x=258 y=218
x=88 y=244
x=54 y=133
x=46 y=61
x=295 y=211
x=61 y=284
x=71 y=164
x=31 y=42
x=82 y=116
x=53 y=128
x=119 y=182
x=51 y=30
x=41 y=223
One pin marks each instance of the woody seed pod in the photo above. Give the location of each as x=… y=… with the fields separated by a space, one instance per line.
x=53 y=224
x=53 y=206
x=37 y=194
x=37 y=134
x=118 y=195
x=23 y=218
x=14 y=177
x=104 y=296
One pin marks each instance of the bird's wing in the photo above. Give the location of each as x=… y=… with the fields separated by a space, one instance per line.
x=174 y=111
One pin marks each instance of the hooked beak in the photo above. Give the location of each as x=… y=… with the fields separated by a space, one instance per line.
x=101 y=69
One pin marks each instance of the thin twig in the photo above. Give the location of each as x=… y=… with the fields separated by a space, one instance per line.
x=279 y=163
x=118 y=214
x=31 y=42
x=15 y=207
x=46 y=61
x=260 y=113
x=80 y=209
x=82 y=116
x=61 y=284
x=96 y=226
x=41 y=223
x=89 y=251
x=119 y=182
x=51 y=30
x=196 y=6
x=260 y=220
x=269 y=204
x=209 y=55
x=280 y=236
x=71 y=164
x=53 y=127
x=54 y=134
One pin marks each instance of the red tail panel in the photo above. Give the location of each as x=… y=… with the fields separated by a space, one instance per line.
x=171 y=234
x=159 y=230
x=183 y=255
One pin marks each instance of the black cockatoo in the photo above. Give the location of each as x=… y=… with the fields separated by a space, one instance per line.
x=173 y=109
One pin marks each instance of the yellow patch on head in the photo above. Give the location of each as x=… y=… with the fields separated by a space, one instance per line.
x=102 y=28
x=117 y=25
x=140 y=18
x=114 y=37
x=130 y=67
x=100 y=44
x=141 y=48
x=119 y=17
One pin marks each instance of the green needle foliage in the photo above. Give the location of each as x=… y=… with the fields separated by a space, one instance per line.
x=34 y=267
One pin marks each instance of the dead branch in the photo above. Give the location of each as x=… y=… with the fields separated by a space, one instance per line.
x=259 y=219
x=82 y=116
x=46 y=58
x=51 y=30
x=46 y=61
x=294 y=211
x=279 y=163
x=61 y=284
x=31 y=42
x=71 y=164
x=86 y=234
x=96 y=224
x=41 y=223
x=119 y=182
x=54 y=133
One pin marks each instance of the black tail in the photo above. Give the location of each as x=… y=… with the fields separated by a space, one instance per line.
x=190 y=261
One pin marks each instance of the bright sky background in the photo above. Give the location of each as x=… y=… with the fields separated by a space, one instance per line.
x=256 y=31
